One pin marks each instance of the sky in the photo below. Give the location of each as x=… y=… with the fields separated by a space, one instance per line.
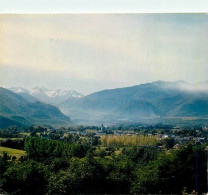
x=100 y=6
x=92 y=52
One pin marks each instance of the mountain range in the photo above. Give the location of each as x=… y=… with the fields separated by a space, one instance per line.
x=136 y=103
x=16 y=110
x=145 y=101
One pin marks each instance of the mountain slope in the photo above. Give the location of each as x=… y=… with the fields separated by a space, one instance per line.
x=16 y=109
x=138 y=102
x=28 y=97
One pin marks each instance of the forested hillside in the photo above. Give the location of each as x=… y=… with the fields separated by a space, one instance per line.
x=139 y=102
x=16 y=110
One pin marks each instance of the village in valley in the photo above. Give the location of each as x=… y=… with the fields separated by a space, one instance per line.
x=176 y=134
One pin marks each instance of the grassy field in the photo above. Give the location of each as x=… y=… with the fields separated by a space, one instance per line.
x=27 y=134
x=17 y=138
x=118 y=150
x=12 y=152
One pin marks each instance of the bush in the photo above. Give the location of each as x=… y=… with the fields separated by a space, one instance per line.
x=101 y=153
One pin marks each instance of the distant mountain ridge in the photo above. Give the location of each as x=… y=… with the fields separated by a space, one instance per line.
x=135 y=103
x=16 y=110
x=50 y=96
x=138 y=102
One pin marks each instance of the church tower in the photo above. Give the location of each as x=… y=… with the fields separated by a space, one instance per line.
x=102 y=129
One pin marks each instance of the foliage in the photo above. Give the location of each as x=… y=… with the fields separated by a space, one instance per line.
x=125 y=140
x=56 y=167
x=101 y=153
x=83 y=176
x=171 y=172
x=17 y=144
x=141 y=155
x=58 y=164
x=46 y=150
x=120 y=174
x=168 y=143
x=29 y=177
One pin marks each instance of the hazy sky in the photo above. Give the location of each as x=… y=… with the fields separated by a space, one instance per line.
x=92 y=52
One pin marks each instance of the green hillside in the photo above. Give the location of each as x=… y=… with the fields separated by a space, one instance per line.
x=15 y=110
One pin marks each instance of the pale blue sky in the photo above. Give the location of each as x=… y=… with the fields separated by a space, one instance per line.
x=100 y=6
x=92 y=52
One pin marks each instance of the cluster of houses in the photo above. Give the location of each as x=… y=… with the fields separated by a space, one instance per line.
x=181 y=139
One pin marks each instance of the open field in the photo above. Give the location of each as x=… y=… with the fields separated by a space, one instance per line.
x=118 y=150
x=27 y=134
x=12 y=152
x=18 y=138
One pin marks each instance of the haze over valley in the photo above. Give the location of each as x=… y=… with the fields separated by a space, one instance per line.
x=129 y=104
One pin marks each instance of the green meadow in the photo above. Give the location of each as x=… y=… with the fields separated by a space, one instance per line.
x=12 y=152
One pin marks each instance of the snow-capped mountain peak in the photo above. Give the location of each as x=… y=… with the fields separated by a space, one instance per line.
x=18 y=90
x=48 y=95
x=54 y=93
x=37 y=90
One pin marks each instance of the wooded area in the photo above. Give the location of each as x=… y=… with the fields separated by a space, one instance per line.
x=56 y=167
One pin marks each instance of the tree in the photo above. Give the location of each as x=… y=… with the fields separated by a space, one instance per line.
x=172 y=172
x=29 y=177
x=95 y=141
x=83 y=176
x=102 y=153
x=58 y=164
x=146 y=180
x=119 y=175
x=33 y=133
x=168 y=143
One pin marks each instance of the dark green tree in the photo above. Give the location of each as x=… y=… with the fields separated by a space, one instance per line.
x=28 y=177
x=168 y=143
